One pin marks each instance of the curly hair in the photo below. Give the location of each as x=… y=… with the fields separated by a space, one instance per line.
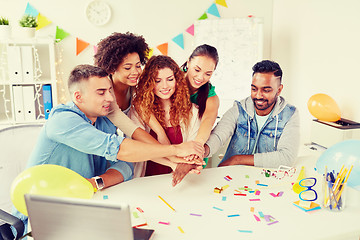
x=112 y=50
x=147 y=103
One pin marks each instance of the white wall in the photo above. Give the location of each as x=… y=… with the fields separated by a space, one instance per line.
x=315 y=41
x=317 y=44
x=158 y=21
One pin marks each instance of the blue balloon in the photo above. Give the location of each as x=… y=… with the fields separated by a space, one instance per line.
x=345 y=153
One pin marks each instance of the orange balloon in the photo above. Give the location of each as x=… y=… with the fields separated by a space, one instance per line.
x=324 y=108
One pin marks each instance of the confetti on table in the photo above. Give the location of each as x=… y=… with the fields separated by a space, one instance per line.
x=257 y=192
x=139 y=209
x=252 y=209
x=135 y=215
x=280 y=194
x=257 y=182
x=218 y=208
x=167 y=203
x=245 y=231
x=181 y=230
x=195 y=214
x=264 y=185
x=105 y=197
x=165 y=223
x=234 y=215
x=257 y=218
x=261 y=214
x=254 y=199
x=140 y=225
x=239 y=194
x=247 y=176
x=224 y=198
x=273 y=222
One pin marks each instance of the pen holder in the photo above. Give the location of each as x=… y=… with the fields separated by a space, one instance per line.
x=334 y=195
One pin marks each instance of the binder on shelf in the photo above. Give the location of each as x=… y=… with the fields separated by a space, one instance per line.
x=18 y=103
x=14 y=63
x=27 y=58
x=29 y=102
x=47 y=99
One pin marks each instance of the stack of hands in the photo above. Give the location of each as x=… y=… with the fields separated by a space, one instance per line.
x=189 y=160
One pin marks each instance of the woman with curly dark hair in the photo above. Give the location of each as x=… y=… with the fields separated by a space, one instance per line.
x=122 y=56
x=162 y=93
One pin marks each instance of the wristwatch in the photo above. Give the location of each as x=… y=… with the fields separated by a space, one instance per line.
x=99 y=182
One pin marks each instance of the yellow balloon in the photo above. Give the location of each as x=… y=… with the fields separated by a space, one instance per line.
x=324 y=108
x=50 y=180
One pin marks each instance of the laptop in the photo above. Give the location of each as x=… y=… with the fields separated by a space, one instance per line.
x=57 y=218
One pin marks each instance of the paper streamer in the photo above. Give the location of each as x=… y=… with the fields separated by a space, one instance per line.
x=30 y=10
x=42 y=21
x=80 y=46
x=213 y=10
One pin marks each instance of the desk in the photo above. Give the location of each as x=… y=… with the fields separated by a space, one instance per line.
x=195 y=194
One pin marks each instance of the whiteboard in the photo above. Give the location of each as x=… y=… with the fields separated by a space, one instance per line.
x=240 y=45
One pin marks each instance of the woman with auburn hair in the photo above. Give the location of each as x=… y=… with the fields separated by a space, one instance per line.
x=162 y=93
x=198 y=70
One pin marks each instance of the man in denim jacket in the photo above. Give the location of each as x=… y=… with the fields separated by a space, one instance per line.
x=264 y=129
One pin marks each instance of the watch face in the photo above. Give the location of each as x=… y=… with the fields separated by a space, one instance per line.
x=99 y=182
x=98 y=12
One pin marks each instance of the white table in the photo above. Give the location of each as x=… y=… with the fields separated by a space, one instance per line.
x=195 y=194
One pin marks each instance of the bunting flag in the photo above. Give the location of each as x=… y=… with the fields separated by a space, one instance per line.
x=179 y=40
x=150 y=53
x=80 y=45
x=95 y=49
x=42 y=21
x=213 y=10
x=60 y=34
x=221 y=2
x=163 y=48
x=203 y=17
x=190 y=30
x=30 y=10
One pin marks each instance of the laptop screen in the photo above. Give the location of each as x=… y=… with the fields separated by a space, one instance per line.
x=54 y=218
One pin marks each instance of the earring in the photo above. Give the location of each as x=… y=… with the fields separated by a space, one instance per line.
x=185 y=68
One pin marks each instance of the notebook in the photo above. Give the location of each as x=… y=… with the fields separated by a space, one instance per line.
x=55 y=218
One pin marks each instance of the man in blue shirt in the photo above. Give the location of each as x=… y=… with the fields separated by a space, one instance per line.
x=79 y=136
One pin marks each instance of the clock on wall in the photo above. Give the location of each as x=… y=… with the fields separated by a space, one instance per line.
x=98 y=12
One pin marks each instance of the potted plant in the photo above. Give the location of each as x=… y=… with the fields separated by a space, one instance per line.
x=28 y=24
x=4 y=28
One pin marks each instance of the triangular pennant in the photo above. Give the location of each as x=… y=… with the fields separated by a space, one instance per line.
x=42 y=21
x=191 y=29
x=213 y=10
x=60 y=34
x=163 y=48
x=80 y=45
x=150 y=53
x=95 y=49
x=203 y=17
x=179 y=40
x=221 y=2
x=30 y=10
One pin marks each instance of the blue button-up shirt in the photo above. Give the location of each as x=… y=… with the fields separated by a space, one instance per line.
x=69 y=139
